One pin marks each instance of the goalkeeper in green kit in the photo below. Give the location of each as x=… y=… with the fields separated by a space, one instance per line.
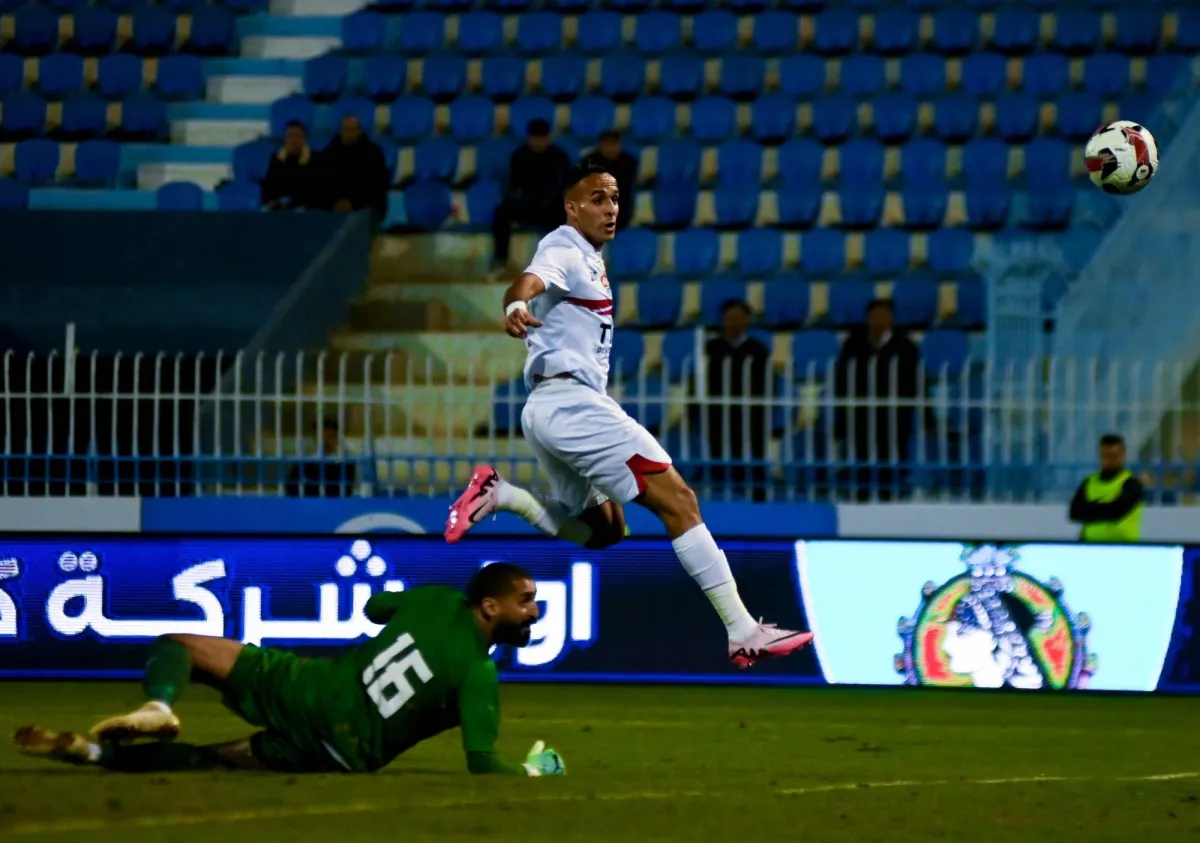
x=427 y=671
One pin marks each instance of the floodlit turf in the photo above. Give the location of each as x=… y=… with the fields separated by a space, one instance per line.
x=663 y=764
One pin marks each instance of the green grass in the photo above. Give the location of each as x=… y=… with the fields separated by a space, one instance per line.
x=662 y=764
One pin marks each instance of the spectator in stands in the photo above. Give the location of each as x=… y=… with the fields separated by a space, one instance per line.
x=534 y=196
x=876 y=373
x=356 y=170
x=327 y=473
x=293 y=177
x=737 y=369
x=623 y=167
x=1109 y=503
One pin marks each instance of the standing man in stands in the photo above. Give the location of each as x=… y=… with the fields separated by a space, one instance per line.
x=1109 y=503
x=534 y=197
x=609 y=157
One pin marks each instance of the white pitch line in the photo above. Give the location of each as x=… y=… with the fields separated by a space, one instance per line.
x=346 y=808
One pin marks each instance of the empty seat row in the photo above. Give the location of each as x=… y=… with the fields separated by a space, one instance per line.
x=128 y=6
x=26 y=116
x=152 y=31
x=92 y=163
x=62 y=75
x=951 y=31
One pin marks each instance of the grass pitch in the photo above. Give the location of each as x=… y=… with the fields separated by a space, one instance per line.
x=662 y=764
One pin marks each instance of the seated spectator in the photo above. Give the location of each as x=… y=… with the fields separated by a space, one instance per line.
x=534 y=196
x=356 y=170
x=622 y=166
x=327 y=473
x=293 y=177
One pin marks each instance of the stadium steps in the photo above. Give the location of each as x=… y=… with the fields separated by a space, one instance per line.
x=289 y=37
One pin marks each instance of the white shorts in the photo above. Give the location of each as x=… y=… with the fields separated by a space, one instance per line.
x=589 y=447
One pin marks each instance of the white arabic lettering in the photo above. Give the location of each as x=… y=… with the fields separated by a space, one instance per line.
x=9 y=569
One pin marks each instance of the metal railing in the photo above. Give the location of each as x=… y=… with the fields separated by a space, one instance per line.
x=250 y=424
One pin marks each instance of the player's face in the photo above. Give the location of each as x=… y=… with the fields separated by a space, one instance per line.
x=1112 y=457
x=592 y=208
x=516 y=613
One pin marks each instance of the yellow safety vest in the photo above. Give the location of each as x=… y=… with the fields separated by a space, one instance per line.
x=1128 y=529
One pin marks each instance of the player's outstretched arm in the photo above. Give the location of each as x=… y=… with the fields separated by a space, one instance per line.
x=479 y=711
x=517 y=318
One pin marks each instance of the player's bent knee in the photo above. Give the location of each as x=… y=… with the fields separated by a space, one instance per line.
x=212 y=658
x=607 y=523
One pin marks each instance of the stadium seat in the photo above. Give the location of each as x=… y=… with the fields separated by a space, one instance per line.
x=411 y=119
x=1187 y=30
x=428 y=204
x=834 y=118
x=713 y=119
x=1163 y=72
x=987 y=206
x=471 y=118
x=443 y=77
x=622 y=76
x=923 y=162
x=633 y=255
x=384 y=77
x=1016 y=117
x=483 y=198
x=12 y=73
x=848 y=301
x=915 y=300
x=1046 y=74
x=599 y=32
x=628 y=350
x=950 y=251
x=923 y=74
x=250 y=160
x=362 y=33
x=814 y=353
x=714 y=293
x=679 y=354
x=802 y=76
x=924 y=206
x=886 y=252
x=539 y=33
x=985 y=161
x=799 y=207
x=119 y=75
x=658 y=32
x=143 y=119
x=1106 y=74
x=1049 y=207
x=823 y=252
x=984 y=74
x=862 y=206
x=860 y=163
x=956 y=117
x=971 y=305
x=944 y=353
x=1047 y=161
x=422 y=33
x=239 y=196
x=736 y=207
x=153 y=31
x=22 y=115
x=759 y=253
x=36 y=161
x=180 y=196
x=1076 y=31
x=590 y=116
x=862 y=75
x=506 y=407
x=180 y=77
x=435 y=159
x=836 y=32
x=739 y=162
x=674 y=205
x=1078 y=116
x=95 y=31
x=652 y=118
x=1016 y=31
x=83 y=117
x=492 y=158
x=895 y=32
x=35 y=31
x=293 y=109
x=696 y=252
x=503 y=77
x=60 y=75
x=681 y=77
x=563 y=77
x=772 y=118
x=479 y=33
x=895 y=117
x=324 y=77
x=776 y=33
x=742 y=77
x=714 y=32
x=212 y=32
x=800 y=162
x=527 y=109
x=785 y=303
x=743 y=7
x=955 y=31
x=659 y=302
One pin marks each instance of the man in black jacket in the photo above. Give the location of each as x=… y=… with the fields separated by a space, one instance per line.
x=609 y=156
x=534 y=197
x=293 y=177
x=356 y=170
x=1109 y=503
x=877 y=371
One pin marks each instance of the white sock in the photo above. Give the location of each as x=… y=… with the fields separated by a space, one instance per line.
x=546 y=514
x=700 y=557
x=93 y=753
x=158 y=705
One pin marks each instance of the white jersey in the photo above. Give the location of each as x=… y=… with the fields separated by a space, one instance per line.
x=575 y=311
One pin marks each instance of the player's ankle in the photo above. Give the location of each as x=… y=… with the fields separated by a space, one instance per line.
x=159 y=705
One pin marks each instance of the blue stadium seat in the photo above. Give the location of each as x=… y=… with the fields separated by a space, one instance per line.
x=799 y=207
x=443 y=77
x=1187 y=30
x=985 y=161
x=539 y=33
x=471 y=118
x=599 y=32
x=955 y=31
x=736 y=207
x=143 y=119
x=923 y=74
x=944 y=353
x=679 y=161
x=362 y=33
x=628 y=6
x=480 y=33
x=60 y=75
x=813 y=353
x=153 y=31
x=714 y=32
x=834 y=118
x=681 y=77
x=861 y=162
x=633 y=255
x=696 y=252
x=801 y=76
x=622 y=76
x=848 y=300
x=1017 y=30
x=772 y=118
x=800 y=162
x=759 y=253
x=956 y=117
x=685 y=6
x=239 y=196
x=324 y=77
x=739 y=162
x=895 y=32
x=180 y=77
x=22 y=115
x=428 y=204
x=713 y=119
x=422 y=33
x=1076 y=31
x=836 y=32
x=1046 y=74
x=212 y=32
x=743 y=7
x=742 y=77
x=83 y=117
x=251 y=159
x=652 y=118
x=984 y=74
x=411 y=118
x=384 y=77
x=895 y=117
x=862 y=206
x=971 y=304
x=1049 y=207
x=628 y=349
x=492 y=158
x=886 y=252
x=123 y=7
x=785 y=303
x=679 y=354
x=119 y=75
x=1162 y=73
x=12 y=73
x=1078 y=116
x=506 y=408
x=862 y=75
x=950 y=251
x=659 y=302
x=563 y=77
x=1047 y=161
x=924 y=206
x=503 y=77
x=526 y=109
x=1016 y=117
x=1137 y=107
x=435 y=159
x=776 y=33
x=674 y=205
x=291 y=109
x=35 y=31
x=987 y=206
x=483 y=197
x=95 y=31
x=14 y=196
x=36 y=161
x=823 y=252
x=923 y=162
x=180 y=196
x=592 y=115
x=915 y=300
x=658 y=32
x=1106 y=74
x=714 y=293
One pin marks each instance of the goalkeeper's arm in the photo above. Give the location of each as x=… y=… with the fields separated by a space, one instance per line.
x=479 y=710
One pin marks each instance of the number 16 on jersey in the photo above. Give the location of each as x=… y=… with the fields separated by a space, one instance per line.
x=386 y=677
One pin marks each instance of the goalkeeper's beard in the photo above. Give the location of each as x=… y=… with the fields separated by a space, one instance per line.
x=514 y=635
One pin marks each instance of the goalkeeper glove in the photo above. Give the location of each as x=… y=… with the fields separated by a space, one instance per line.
x=544 y=762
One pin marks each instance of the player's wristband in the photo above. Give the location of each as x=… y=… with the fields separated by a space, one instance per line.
x=515 y=306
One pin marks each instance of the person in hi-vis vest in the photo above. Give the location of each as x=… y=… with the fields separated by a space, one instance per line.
x=1109 y=503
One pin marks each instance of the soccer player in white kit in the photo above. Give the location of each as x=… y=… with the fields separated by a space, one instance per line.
x=598 y=459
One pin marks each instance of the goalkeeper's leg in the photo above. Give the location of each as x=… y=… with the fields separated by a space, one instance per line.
x=158 y=757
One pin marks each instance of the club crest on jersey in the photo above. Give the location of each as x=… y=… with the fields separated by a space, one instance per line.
x=600 y=276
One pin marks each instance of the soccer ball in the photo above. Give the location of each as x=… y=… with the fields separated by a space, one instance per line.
x=1121 y=157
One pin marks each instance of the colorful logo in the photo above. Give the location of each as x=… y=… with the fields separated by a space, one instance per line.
x=994 y=626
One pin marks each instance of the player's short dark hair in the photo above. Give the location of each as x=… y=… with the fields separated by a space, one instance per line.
x=610 y=135
x=537 y=128
x=730 y=304
x=877 y=304
x=495 y=580
x=581 y=171
x=295 y=124
x=1112 y=439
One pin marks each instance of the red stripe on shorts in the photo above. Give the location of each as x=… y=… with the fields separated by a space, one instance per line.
x=641 y=466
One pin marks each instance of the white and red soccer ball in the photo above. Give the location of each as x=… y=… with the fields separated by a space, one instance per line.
x=1121 y=157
